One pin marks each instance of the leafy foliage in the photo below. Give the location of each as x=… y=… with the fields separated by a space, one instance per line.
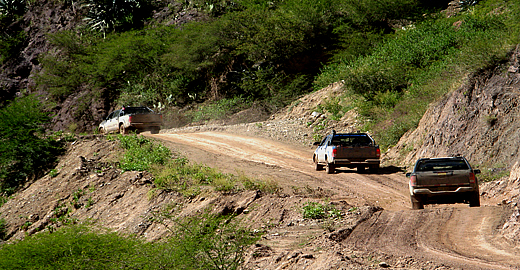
x=394 y=57
x=141 y=154
x=259 y=51
x=219 y=110
x=206 y=241
x=106 y=15
x=315 y=210
x=26 y=151
x=187 y=179
x=392 y=86
x=76 y=247
x=178 y=174
x=12 y=7
x=201 y=242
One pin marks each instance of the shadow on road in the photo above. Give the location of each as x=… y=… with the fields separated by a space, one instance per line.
x=381 y=170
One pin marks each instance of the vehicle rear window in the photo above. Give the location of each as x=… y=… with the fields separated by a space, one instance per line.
x=134 y=110
x=441 y=165
x=351 y=140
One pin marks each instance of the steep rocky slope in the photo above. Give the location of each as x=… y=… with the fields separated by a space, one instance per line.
x=42 y=18
x=479 y=120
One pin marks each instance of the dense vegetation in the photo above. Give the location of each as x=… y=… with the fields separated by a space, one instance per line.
x=241 y=53
x=26 y=151
x=392 y=86
x=395 y=57
x=205 y=242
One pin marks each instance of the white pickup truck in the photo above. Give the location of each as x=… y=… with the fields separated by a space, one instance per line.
x=352 y=150
x=132 y=118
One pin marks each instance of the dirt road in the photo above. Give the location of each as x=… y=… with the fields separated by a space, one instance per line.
x=454 y=236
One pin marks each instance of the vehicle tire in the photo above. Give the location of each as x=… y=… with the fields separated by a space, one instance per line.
x=154 y=130
x=102 y=131
x=361 y=169
x=122 y=129
x=330 y=168
x=474 y=200
x=416 y=204
x=318 y=166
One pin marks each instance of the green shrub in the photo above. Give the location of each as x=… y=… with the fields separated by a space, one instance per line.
x=141 y=153
x=206 y=241
x=199 y=242
x=219 y=110
x=492 y=174
x=392 y=85
x=77 y=247
x=314 y=210
x=268 y=186
x=11 y=44
x=26 y=152
x=187 y=179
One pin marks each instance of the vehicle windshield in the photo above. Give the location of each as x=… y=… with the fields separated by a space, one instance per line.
x=442 y=165
x=351 y=140
x=137 y=110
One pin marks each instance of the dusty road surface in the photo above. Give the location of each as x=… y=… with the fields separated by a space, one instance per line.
x=452 y=236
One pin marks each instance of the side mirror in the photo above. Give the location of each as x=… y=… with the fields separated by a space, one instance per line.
x=408 y=174
x=316 y=143
x=476 y=171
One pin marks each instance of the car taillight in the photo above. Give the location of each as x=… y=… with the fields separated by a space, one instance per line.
x=130 y=118
x=471 y=178
x=334 y=151
x=413 y=180
x=378 y=152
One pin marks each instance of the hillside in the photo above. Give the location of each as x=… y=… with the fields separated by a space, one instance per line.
x=271 y=140
x=88 y=186
x=478 y=120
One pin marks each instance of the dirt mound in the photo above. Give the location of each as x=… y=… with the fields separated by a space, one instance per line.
x=306 y=110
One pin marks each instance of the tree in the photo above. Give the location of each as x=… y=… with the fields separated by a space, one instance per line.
x=26 y=152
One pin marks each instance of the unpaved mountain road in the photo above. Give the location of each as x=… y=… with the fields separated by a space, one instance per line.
x=455 y=236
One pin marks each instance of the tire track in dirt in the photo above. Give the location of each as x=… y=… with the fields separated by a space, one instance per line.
x=345 y=184
x=457 y=236
x=460 y=237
